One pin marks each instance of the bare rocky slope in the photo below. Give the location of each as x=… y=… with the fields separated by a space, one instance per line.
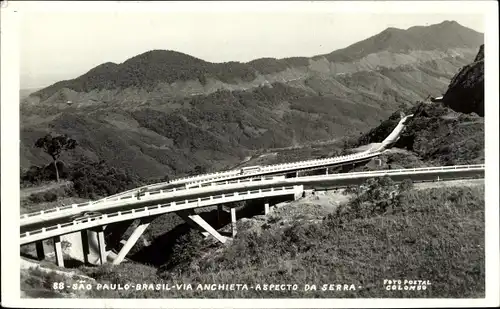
x=466 y=91
x=164 y=112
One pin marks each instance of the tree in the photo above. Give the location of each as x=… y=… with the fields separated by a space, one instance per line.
x=198 y=170
x=54 y=146
x=166 y=178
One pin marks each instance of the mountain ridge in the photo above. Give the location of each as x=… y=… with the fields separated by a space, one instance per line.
x=153 y=67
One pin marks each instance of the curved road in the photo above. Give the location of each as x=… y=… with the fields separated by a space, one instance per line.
x=276 y=168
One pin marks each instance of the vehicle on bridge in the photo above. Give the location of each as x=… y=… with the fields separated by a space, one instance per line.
x=141 y=192
x=249 y=169
x=85 y=215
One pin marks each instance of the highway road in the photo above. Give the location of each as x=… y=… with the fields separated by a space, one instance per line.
x=154 y=204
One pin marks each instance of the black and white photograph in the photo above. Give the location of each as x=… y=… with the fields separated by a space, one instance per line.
x=249 y=154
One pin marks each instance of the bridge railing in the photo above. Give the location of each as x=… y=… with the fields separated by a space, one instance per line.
x=307 y=164
x=202 y=185
x=133 y=193
x=168 y=207
x=219 y=175
x=405 y=170
x=378 y=172
x=231 y=181
x=293 y=183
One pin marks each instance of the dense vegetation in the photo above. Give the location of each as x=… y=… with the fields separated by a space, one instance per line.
x=35 y=175
x=148 y=69
x=96 y=179
x=90 y=180
x=386 y=231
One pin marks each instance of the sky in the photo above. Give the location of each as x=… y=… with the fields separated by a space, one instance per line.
x=58 y=44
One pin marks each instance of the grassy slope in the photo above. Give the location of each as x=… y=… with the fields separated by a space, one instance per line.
x=432 y=234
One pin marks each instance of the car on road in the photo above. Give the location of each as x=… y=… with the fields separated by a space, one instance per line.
x=85 y=215
x=250 y=169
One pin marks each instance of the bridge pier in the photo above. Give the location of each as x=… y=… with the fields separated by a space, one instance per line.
x=197 y=222
x=102 y=245
x=220 y=210
x=184 y=214
x=138 y=231
x=266 y=208
x=299 y=191
x=58 y=251
x=40 y=252
x=85 y=246
x=233 y=221
x=204 y=225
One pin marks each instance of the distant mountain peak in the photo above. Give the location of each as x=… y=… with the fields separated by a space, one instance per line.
x=165 y=57
x=392 y=29
x=449 y=22
x=443 y=36
x=108 y=64
x=102 y=67
x=150 y=68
